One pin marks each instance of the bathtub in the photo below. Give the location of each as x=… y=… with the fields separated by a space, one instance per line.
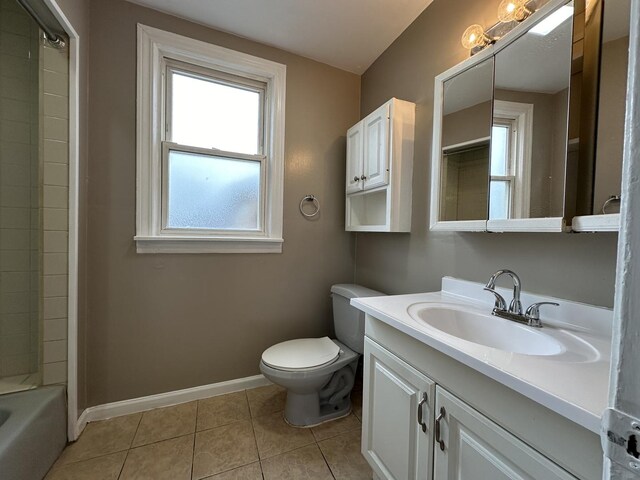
x=33 y=432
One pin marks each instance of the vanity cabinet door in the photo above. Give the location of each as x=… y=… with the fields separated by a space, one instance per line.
x=475 y=448
x=393 y=442
x=355 y=158
x=376 y=148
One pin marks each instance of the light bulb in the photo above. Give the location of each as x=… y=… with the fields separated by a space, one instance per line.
x=474 y=36
x=513 y=10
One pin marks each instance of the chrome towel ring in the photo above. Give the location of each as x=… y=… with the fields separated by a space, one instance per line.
x=316 y=206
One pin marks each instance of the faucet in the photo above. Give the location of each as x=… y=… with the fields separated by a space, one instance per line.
x=532 y=315
x=515 y=306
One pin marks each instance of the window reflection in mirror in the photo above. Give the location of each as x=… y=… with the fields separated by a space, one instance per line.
x=530 y=122
x=611 y=109
x=466 y=131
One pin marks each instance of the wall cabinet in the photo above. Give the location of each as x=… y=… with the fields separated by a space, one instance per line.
x=413 y=428
x=380 y=168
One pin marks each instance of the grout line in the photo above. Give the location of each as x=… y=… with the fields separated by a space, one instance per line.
x=325 y=461
x=193 y=452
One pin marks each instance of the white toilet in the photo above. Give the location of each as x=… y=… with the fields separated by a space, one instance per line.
x=319 y=373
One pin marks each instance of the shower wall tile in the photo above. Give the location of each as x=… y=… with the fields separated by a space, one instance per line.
x=55 y=213
x=55 y=329
x=54 y=373
x=55 y=351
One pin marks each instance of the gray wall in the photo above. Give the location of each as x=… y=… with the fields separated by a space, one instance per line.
x=158 y=323
x=578 y=267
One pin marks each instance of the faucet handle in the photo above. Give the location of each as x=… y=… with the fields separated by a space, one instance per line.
x=533 y=312
x=500 y=304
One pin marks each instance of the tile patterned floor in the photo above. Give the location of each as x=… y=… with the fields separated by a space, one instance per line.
x=239 y=436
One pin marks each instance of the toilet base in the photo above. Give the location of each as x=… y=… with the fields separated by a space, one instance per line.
x=331 y=402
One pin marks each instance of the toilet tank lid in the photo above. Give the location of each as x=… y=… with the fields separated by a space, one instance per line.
x=351 y=290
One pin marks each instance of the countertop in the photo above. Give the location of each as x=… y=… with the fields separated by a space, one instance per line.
x=573 y=384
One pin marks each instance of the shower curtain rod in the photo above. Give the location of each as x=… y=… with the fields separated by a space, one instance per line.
x=46 y=21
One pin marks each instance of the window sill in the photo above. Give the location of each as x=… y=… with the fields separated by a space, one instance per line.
x=188 y=244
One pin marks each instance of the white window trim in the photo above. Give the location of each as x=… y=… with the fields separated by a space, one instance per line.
x=522 y=114
x=153 y=46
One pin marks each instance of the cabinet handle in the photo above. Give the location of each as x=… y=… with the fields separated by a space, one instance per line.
x=439 y=441
x=356 y=179
x=422 y=402
x=363 y=177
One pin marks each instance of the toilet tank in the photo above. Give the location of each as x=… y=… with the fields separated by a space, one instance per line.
x=347 y=320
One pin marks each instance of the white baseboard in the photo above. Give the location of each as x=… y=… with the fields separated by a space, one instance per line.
x=142 y=404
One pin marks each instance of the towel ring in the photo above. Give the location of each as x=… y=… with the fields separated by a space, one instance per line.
x=611 y=199
x=316 y=204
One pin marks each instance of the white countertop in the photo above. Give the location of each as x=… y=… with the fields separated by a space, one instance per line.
x=573 y=384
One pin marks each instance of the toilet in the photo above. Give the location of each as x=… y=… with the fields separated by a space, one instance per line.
x=318 y=373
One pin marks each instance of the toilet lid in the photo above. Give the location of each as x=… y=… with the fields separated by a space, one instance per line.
x=301 y=353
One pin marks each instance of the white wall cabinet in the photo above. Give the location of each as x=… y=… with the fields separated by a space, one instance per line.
x=380 y=169
x=394 y=443
x=457 y=441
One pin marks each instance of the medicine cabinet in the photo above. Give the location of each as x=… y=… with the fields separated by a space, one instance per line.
x=515 y=127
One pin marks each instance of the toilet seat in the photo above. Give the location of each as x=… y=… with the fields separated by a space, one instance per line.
x=301 y=354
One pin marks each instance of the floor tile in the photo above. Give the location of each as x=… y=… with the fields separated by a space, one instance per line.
x=305 y=463
x=166 y=460
x=224 y=448
x=336 y=427
x=266 y=400
x=344 y=458
x=107 y=467
x=164 y=423
x=222 y=410
x=275 y=436
x=248 y=472
x=102 y=438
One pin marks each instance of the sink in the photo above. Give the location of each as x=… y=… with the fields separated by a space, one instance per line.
x=485 y=329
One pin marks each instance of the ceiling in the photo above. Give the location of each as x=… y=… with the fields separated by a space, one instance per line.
x=346 y=34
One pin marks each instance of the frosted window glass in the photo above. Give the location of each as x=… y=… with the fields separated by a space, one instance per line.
x=499 y=194
x=499 y=149
x=212 y=115
x=212 y=192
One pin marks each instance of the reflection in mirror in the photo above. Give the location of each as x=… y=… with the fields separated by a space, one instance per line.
x=530 y=123
x=611 y=110
x=466 y=130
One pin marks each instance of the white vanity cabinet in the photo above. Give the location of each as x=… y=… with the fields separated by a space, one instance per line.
x=397 y=438
x=513 y=440
x=475 y=448
x=379 y=169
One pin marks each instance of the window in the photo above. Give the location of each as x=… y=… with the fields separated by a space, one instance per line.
x=210 y=148
x=510 y=160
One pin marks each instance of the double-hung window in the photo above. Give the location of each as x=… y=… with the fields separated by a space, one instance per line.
x=510 y=160
x=210 y=148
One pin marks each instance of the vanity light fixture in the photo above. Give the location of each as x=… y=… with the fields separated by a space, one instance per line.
x=553 y=21
x=513 y=11
x=474 y=36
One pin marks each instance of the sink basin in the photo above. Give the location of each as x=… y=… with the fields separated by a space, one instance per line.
x=485 y=329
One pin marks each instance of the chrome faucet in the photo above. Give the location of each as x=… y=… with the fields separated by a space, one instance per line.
x=532 y=315
x=515 y=306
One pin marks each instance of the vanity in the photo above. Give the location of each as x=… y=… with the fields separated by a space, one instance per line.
x=451 y=391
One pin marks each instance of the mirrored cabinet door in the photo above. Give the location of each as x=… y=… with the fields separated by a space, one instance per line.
x=603 y=213
x=529 y=133
x=464 y=149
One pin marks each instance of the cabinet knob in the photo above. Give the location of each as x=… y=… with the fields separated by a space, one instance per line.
x=363 y=177
x=356 y=179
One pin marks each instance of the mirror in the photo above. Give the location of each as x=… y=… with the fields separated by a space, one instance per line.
x=512 y=171
x=530 y=122
x=611 y=110
x=466 y=130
